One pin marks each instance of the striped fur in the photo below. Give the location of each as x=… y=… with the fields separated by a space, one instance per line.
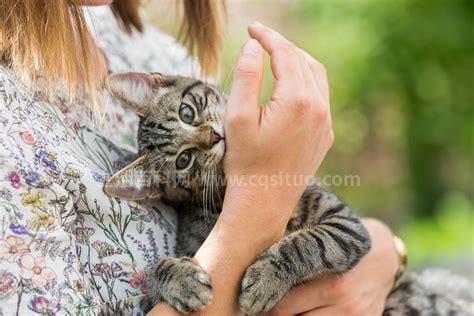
x=432 y=292
x=324 y=236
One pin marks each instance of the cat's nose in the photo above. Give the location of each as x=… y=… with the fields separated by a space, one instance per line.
x=215 y=137
x=206 y=137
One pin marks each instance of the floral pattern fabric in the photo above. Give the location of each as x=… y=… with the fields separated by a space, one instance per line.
x=65 y=247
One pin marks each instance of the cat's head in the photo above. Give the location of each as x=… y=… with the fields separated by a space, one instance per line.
x=180 y=136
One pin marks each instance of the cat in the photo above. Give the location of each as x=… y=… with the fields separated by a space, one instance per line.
x=181 y=150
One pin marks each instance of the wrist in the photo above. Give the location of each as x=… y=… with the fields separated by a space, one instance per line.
x=255 y=207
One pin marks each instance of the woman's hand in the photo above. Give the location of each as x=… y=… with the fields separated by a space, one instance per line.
x=296 y=121
x=272 y=150
x=359 y=292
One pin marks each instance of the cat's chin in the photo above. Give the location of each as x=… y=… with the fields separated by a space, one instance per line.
x=217 y=152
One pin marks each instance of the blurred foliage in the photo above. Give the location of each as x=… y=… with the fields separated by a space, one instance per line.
x=402 y=96
x=451 y=222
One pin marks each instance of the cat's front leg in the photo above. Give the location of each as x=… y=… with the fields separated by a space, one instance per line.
x=273 y=273
x=333 y=245
x=181 y=283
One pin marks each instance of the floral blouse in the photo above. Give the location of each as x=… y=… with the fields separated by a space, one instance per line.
x=65 y=247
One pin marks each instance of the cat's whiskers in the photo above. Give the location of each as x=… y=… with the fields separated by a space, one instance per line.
x=205 y=192
x=203 y=183
x=218 y=184
x=211 y=184
x=209 y=201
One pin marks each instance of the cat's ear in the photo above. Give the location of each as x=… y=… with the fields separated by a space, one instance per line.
x=132 y=182
x=135 y=89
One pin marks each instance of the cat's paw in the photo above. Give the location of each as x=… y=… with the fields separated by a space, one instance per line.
x=260 y=289
x=181 y=283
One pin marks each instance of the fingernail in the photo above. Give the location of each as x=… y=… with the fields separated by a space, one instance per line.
x=251 y=47
x=256 y=23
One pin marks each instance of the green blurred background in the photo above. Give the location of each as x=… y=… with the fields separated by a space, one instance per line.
x=402 y=95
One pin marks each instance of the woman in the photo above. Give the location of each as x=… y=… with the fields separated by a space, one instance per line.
x=65 y=247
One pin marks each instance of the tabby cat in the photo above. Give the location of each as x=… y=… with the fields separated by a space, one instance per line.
x=180 y=161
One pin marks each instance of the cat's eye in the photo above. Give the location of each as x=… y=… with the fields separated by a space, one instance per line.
x=186 y=113
x=184 y=159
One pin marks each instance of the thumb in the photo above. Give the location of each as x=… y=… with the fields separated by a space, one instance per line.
x=243 y=101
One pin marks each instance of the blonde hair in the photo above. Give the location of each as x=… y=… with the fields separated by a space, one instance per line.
x=48 y=37
x=201 y=30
